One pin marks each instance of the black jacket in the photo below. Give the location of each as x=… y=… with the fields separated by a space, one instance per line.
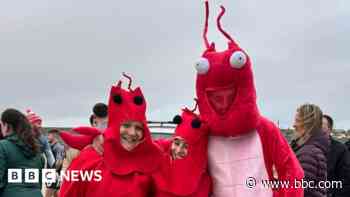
x=348 y=144
x=312 y=156
x=338 y=167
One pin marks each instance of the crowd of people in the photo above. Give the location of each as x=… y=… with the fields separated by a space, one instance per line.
x=25 y=145
x=226 y=148
x=320 y=155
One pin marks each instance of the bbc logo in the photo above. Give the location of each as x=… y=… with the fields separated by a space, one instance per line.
x=31 y=176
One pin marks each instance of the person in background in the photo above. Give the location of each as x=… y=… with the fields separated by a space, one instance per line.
x=91 y=119
x=70 y=154
x=100 y=116
x=59 y=153
x=36 y=122
x=18 y=150
x=310 y=145
x=338 y=162
x=348 y=144
x=99 y=120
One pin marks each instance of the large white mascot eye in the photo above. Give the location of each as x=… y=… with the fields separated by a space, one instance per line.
x=202 y=66
x=238 y=59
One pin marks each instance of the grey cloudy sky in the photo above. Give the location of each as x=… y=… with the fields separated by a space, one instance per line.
x=61 y=57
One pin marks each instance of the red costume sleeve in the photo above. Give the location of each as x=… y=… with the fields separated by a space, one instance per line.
x=164 y=144
x=87 y=159
x=278 y=154
x=84 y=137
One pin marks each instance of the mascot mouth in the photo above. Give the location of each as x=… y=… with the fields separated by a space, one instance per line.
x=221 y=98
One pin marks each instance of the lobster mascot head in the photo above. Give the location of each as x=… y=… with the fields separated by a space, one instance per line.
x=225 y=87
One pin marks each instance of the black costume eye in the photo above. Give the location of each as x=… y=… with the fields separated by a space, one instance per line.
x=138 y=100
x=196 y=123
x=177 y=119
x=117 y=99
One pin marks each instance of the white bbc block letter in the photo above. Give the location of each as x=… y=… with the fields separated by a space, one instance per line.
x=49 y=176
x=31 y=176
x=14 y=175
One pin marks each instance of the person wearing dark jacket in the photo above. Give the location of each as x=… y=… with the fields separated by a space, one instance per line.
x=348 y=144
x=338 y=162
x=310 y=145
x=19 y=150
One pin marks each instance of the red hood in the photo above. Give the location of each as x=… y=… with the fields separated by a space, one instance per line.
x=126 y=105
x=241 y=114
x=183 y=176
x=225 y=86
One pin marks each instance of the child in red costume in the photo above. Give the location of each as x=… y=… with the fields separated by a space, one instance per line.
x=184 y=173
x=130 y=156
x=244 y=147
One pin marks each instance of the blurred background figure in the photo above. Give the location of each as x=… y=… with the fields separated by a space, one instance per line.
x=59 y=153
x=70 y=155
x=36 y=122
x=45 y=149
x=348 y=144
x=1 y=136
x=98 y=119
x=310 y=145
x=338 y=161
x=19 y=149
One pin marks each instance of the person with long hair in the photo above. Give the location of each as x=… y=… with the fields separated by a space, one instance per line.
x=311 y=145
x=18 y=150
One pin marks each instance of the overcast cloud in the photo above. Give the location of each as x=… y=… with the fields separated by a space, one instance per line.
x=61 y=57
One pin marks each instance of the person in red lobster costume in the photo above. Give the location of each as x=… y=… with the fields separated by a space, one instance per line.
x=184 y=171
x=129 y=158
x=244 y=147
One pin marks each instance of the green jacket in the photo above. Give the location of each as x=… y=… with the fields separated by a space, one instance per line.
x=14 y=154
